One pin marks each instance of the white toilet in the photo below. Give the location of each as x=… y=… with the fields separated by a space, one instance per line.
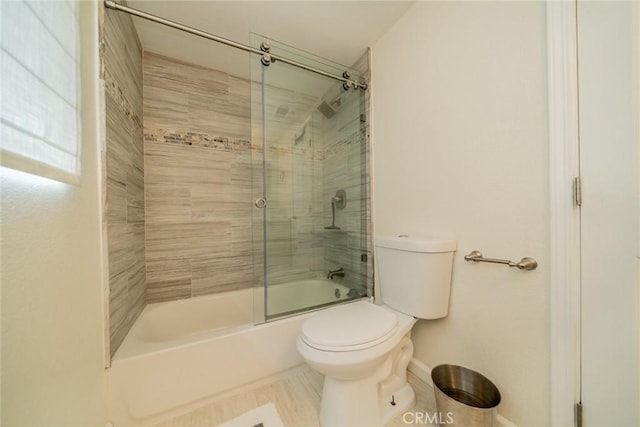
x=363 y=349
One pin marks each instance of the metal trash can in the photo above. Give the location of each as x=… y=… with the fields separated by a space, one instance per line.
x=464 y=397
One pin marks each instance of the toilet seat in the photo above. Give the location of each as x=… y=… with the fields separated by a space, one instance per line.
x=349 y=327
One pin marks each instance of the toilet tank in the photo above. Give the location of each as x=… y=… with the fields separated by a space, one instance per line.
x=414 y=274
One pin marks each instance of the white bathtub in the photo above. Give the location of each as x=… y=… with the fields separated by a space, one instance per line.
x=179 y=353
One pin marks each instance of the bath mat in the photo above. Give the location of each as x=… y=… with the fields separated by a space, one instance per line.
x=263 y=416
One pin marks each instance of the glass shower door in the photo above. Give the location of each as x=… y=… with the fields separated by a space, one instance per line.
x=309 y=183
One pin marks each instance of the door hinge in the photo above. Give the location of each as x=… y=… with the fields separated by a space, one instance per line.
x=579 y=414
x=577 y=191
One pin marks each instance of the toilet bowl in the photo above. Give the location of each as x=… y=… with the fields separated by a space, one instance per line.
x=363 y=349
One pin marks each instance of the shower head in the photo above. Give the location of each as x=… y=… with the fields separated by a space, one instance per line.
x=330 y=108
x=326 y=110
x=332 y=227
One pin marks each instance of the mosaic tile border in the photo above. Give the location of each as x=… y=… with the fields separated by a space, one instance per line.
x=195 y=139
x=204 y=140
x=113 y=89
x=358 y=137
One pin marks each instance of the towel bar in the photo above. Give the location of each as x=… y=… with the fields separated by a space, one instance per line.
x=526 y=263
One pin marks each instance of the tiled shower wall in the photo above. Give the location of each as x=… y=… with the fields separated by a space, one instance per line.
x=121 y=57
x=197 y=180
x=203 y=233
x=346 y=166
x=182 y=222
x=363 y=68
x=294 y=186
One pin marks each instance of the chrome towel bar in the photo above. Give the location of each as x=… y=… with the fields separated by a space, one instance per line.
x=526 y=263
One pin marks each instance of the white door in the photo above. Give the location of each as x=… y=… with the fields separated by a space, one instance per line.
x=608 y=74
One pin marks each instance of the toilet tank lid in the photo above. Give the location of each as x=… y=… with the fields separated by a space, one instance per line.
x=415 y=243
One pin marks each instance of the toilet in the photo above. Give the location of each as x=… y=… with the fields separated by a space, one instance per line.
x=363 y=348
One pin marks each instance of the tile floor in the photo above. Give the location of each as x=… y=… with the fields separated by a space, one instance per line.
x=296 y=395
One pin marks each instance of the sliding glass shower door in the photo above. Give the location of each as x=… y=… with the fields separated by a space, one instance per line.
x=310 y=177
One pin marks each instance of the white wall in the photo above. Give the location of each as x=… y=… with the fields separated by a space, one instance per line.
x=460 y=149
x=51 y=283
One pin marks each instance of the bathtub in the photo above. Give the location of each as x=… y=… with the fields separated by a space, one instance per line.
x=180 y=353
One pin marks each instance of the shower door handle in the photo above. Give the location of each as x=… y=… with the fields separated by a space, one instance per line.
x=261 y=203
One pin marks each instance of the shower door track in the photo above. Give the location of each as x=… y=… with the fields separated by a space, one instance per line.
x=267 y=58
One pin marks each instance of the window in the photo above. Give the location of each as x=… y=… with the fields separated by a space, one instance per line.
x=39 y=88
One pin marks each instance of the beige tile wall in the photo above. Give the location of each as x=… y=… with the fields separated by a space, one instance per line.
x=183 y=222
x=125 y=210
x=203 y=234
x=345 y=166
x=294 y=188
x=197 y=180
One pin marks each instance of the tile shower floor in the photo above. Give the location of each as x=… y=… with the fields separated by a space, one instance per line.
x=296 y=395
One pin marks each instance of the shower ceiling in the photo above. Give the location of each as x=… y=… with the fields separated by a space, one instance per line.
x=336 y=30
